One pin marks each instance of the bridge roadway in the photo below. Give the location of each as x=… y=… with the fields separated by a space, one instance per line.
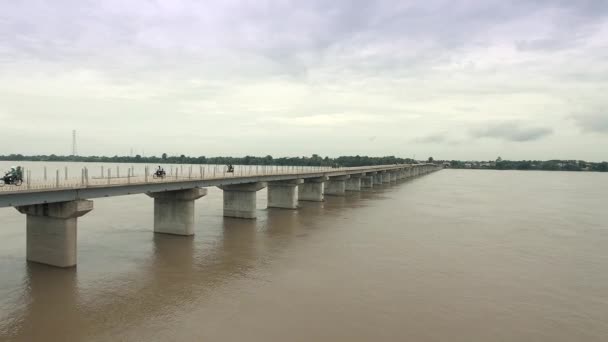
x=52 y=211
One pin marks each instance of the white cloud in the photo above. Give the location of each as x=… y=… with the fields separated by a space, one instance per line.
x=401 y=71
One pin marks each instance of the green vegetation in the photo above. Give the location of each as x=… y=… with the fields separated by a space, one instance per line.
x=549 y=165
x=314 y=160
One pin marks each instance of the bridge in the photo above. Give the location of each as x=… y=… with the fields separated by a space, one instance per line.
x=52 y=207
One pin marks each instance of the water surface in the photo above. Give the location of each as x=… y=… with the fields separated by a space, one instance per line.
x=458 y=255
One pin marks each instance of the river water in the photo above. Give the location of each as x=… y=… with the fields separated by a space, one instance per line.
x=457 y=255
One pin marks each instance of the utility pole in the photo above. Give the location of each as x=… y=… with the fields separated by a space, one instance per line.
x=74 y=149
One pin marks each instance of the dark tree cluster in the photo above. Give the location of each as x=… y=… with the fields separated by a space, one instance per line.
x=546 y=165
x=314 y=160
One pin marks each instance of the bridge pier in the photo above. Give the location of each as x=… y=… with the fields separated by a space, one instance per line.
x=312 y=189
x=52 y=231
x=354 y=182
x=386 y=177
x=367 y=181
x=174 y=210
x=393 y=176
x=336 y=186
x=283 y=194
x=240 y=199
x=378 y=178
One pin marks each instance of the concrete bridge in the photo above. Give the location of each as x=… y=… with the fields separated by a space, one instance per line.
x=52 y=211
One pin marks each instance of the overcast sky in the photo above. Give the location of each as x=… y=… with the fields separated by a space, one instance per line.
x=470 y=79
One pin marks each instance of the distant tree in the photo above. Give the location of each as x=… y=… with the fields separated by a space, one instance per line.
x=499 y=159
x=430 y=159
x=164 y=156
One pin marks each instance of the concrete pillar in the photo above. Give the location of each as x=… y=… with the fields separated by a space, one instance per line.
x=283 y=194
x=336 y=186
x=367 y=181
x=378 y=178
x=386 y=177
x=52 y=231
x=393 y=176
x=174 y=210
x=354 y=182
x=239 y=199
x=312 y=189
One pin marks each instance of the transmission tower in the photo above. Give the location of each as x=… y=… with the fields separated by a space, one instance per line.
x=74 y=150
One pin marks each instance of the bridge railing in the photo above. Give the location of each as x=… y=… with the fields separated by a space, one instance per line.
x=107 y=176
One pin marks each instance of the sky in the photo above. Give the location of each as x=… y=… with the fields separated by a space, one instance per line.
x=451 y=79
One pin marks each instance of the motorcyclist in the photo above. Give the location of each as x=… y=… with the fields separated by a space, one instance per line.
x=15 y=173
x=230 y=168
x=160 y=171
x=11 y=173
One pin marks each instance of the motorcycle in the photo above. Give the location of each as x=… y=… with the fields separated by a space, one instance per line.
x=159 y=174
x=230 y=169
x=11 y=180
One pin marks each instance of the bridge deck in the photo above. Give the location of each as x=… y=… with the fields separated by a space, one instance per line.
x=68 y=190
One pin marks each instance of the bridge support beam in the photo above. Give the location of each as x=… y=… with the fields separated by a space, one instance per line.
x=52 y=231
x=240 y=199
x=174 y=210
x=336 y=186
x=367 y=181
x=312 y=189
x=283 y=194
x=393 y=176
x=386 y=177
x=354 y=182
x=378 y=178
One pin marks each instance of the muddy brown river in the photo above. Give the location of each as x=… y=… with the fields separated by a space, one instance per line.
x=457 y=255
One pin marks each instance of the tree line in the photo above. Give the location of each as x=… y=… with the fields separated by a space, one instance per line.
x=546 y=165
x=314 y=160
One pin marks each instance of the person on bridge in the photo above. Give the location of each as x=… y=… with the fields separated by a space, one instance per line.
x=13 y=174
x=160 y=172
x=230 y=168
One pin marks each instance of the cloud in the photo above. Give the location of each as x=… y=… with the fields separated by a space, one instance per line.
x=338 y=71
x=511 y=131
x=434 y=138
x=596 y=122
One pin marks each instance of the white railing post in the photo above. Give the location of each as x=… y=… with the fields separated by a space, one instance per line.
x=66 y=172
x=45 y=174
x=109 y=175
x=57 y=178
